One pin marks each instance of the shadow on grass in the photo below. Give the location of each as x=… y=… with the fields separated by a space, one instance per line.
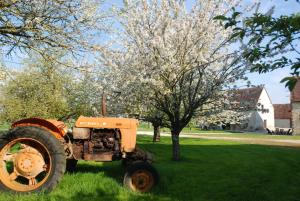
x=104 y=195
x=211 y=172
x=2 y=132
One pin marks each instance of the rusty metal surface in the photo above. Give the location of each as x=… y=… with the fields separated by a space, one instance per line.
x=139 y=155
x=77 y=150
x=29 y=162
x=57 y=128
x=142 y=181
x=103 y=108
x=105 y=156
x=127 y=127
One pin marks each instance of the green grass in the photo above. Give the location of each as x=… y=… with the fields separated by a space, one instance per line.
x=143 y=126
x=220 y=133
x=209 y=170
x=4 y=126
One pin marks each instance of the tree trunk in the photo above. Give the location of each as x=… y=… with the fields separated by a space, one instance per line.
x=176 y=146
x=156 y=136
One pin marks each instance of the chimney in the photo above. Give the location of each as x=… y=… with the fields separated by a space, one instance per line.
x=295 y=94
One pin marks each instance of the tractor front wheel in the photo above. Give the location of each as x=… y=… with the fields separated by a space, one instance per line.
x=140 y=176
x=31 y=160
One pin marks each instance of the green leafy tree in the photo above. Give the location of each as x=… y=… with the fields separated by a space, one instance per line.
x=269 y=42
x=38 y=91
x=84 y=95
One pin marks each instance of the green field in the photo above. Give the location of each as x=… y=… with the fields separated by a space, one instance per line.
x=210 y=170
x=221 y=133
x=144 y=126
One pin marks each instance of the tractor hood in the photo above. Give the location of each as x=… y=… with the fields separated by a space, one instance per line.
x=106 y=122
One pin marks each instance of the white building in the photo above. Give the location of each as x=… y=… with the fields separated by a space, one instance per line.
x=260 y=109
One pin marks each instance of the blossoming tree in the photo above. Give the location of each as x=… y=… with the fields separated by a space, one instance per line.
x=225 y=109
x=49 y=26
x=175 y=59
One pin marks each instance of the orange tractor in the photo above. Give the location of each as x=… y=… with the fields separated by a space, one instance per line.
x=36 y=152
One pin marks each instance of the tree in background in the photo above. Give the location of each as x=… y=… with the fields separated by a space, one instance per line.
x=224 y=110
x=158 y=120
x=172 y=58
x=84 y=94
x=34 y=27
x=269 y=42
x=3 y=73
x=121 y=102
x=49 y=90
x=39 y=90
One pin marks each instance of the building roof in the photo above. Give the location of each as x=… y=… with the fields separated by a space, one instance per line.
x=295 y=94
x=248 y=96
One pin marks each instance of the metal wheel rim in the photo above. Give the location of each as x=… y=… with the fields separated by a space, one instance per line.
x=142 y=181
x=25 y=165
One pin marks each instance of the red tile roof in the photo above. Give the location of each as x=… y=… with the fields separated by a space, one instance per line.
x=282 y=111
x=295 y=94
x=248 y=96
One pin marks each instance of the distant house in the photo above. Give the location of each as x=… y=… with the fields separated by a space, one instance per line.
x=259 y=109
x=283 y=115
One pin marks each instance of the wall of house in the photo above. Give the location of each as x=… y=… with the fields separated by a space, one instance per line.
x=257 y=118
x=296 y=118
x=255 y=122
x=283 y=123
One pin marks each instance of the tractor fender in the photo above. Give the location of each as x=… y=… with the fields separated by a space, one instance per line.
x=56 y=128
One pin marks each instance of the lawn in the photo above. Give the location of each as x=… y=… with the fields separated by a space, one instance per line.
x=210 y=170
x=144 y=126
x=220 y=133
x=4 y=126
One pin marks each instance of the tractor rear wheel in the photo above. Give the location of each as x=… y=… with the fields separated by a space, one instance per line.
x=140 y=176
x=32 y=160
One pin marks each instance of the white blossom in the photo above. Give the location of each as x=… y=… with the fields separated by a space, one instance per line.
x=168 y=57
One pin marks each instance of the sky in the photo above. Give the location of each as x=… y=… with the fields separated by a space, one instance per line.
x=271 y=80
